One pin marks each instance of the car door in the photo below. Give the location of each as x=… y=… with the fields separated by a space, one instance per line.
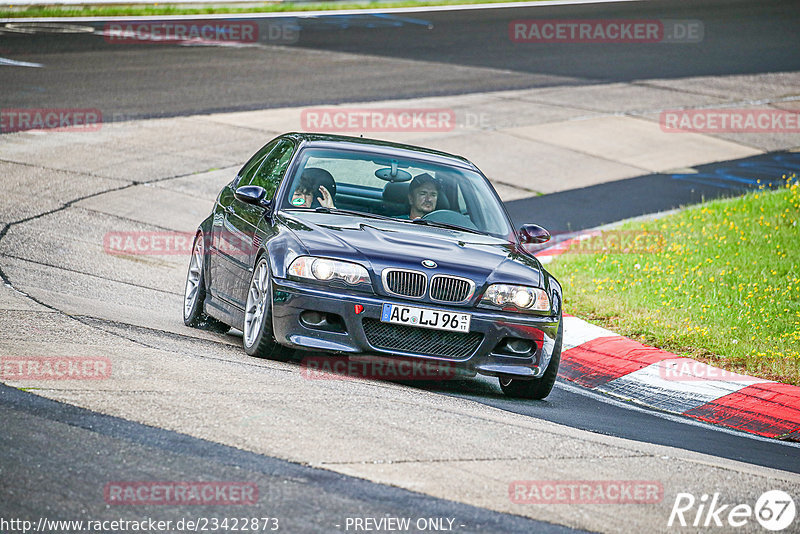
x=222 y=264
x=242 y=220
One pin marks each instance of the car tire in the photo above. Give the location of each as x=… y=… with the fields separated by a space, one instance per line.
x=257 y=334
x=194 y=294
x=538 y=388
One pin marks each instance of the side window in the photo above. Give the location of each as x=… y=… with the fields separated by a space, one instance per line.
x=271 y=171
x=249 y=169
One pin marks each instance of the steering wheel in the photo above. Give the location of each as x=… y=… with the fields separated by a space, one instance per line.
x=450 y=217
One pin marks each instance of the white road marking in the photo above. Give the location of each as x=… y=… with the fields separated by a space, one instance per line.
x=14 y=63
x=577 y=332
x=29 y=27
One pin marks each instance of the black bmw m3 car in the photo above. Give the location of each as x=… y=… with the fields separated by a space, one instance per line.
x=359 y=247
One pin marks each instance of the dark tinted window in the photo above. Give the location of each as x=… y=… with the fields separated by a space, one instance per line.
x=271 y=171
x=246 y=173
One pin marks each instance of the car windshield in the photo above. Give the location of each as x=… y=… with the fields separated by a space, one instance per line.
x=400 y=188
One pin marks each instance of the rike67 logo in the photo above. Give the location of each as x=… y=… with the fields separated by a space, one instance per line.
x=774 y=510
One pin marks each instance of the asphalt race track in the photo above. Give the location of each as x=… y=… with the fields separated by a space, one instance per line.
x=305 y=499
x=189 y=405
x=368 y=57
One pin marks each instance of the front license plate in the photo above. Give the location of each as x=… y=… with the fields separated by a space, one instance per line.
x=425 y=318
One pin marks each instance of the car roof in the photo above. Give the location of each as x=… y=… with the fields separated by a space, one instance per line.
x=375 y=145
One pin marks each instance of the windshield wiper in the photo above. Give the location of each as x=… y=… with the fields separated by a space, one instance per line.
x=426 y=222
x=323 y=209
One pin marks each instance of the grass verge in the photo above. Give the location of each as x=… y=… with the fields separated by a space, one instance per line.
x=718 y=282
x=8 y=11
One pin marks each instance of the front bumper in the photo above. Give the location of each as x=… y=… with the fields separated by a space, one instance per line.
x=291 y=299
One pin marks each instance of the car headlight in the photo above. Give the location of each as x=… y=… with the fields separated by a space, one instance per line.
x=522 y=297
x=325 y=270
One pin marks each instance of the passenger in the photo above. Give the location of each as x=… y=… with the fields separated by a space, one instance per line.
x=423 y=194
x=316 y=189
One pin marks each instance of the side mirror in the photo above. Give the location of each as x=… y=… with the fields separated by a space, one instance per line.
x=252 y=194
x=533 y=234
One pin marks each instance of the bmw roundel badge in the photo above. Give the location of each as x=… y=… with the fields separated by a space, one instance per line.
x=430 y=264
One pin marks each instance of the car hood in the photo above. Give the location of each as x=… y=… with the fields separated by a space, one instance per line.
x=378 y=244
